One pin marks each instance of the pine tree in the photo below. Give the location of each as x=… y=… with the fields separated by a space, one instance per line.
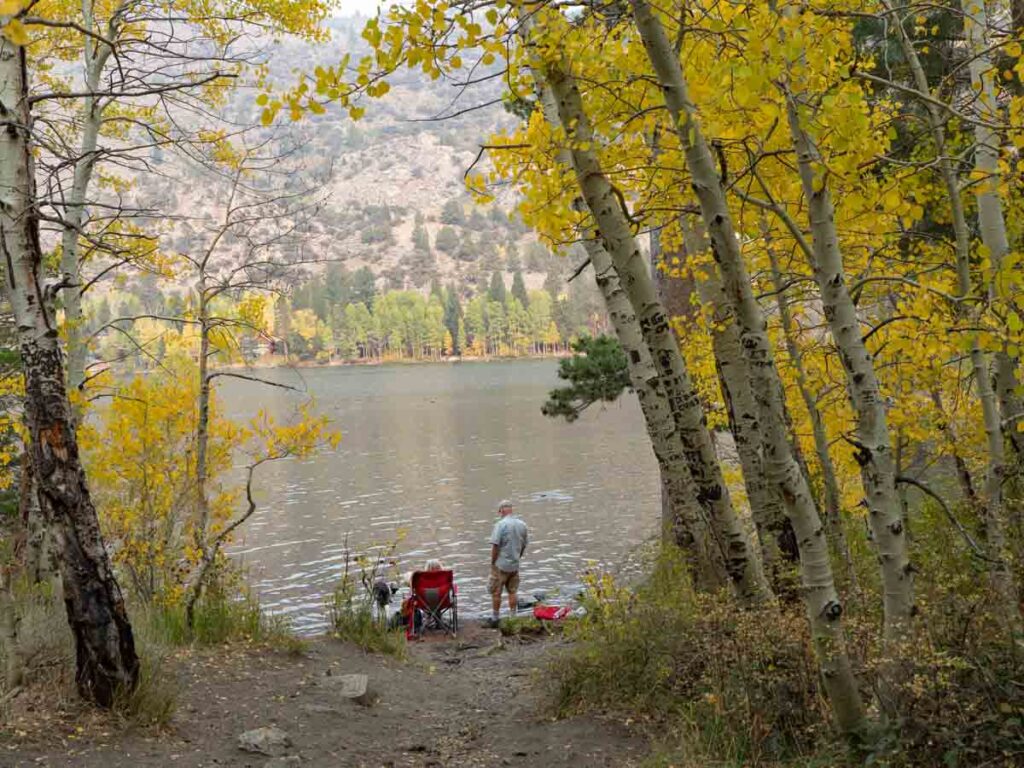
x=337 y=285
x=519 y=289
x=420 y=236
x=447 y=240
x=364 y=287
x=453 y=213
x=496 y=291
x=453 y=317
x=597 y=373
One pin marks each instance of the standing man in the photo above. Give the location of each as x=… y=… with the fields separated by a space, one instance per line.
x=508 y=543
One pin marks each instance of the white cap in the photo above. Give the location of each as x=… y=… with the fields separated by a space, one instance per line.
x=504 y=503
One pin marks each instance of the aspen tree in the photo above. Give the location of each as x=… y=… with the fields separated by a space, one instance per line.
x=742 y=564
x=687 y=524
x=106 y=662
x=823 y=604
x=875 y=446
x=1000 y=573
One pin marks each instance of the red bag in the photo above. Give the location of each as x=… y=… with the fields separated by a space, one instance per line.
x=551 y=612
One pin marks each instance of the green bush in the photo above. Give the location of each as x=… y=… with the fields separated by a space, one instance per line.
x=155 y=698
x=732 y=687
x=961 y=702
x=352 y=620
x=525 y=626
x=47 y=651
x=220 y=617
x=725 y=687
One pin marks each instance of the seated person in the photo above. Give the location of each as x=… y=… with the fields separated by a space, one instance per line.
x=403 y=618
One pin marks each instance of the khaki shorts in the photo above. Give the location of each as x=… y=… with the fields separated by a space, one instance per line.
x=502 y=580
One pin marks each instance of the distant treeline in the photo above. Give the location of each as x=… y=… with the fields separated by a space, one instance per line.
x=342 y=315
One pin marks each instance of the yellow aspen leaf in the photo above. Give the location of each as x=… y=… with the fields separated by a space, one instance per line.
x=16 y=32
x=892 y=199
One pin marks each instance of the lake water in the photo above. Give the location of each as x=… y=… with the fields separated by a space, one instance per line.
x=432 y=449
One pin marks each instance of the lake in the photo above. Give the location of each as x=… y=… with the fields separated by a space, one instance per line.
x=431 y=449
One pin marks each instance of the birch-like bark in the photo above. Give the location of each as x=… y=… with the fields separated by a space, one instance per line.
x=990 y=214
x=742 y=564
x=823 y=604
x=40 y=560
x=105 y=648
x=10 y=620
x=829 y=479
x=197 y=583
x=95 y=56
x=773 y=529
x=875 y=450
x=687 y=526
x=949 y=432
x=991 y=221
x=686 y=523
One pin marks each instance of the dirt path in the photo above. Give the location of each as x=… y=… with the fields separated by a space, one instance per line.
x=454 y=703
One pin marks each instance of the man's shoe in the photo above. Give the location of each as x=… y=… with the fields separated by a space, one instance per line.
x=490 y=624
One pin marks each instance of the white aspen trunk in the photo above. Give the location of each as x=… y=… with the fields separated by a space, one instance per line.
x=40 y=563
x=70 y=264
x=824 y=608
x=195 y=586
x=10 y=619
x=105 y=648
x=991 y=221
x=986 y=159
x=683 y=519
x=742 y=563
x=766 y=508
x=829 y=480
x=686 y=524
x=95 y=55
x=875 y=450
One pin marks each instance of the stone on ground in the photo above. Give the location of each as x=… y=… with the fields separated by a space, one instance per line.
x=353 y=687
x=269 y=740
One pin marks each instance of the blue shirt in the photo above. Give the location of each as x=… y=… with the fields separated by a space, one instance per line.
x=510 y=537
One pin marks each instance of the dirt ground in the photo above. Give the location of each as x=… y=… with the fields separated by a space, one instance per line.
x=474 y=701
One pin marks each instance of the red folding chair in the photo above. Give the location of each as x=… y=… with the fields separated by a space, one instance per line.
x=435 y=594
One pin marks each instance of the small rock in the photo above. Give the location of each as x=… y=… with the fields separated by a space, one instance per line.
x=353 y=687
x=269 y=740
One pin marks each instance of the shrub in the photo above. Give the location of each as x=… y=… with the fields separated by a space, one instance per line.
x=352 y=620
x=961 y=702
x=46 y=647
x=526 y=626
x=350 y=606
x=155 y=698
x=222 y=616
x=732 y=685
x=726 y=687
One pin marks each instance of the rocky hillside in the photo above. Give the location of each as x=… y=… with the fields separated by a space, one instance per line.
x=394 y=198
